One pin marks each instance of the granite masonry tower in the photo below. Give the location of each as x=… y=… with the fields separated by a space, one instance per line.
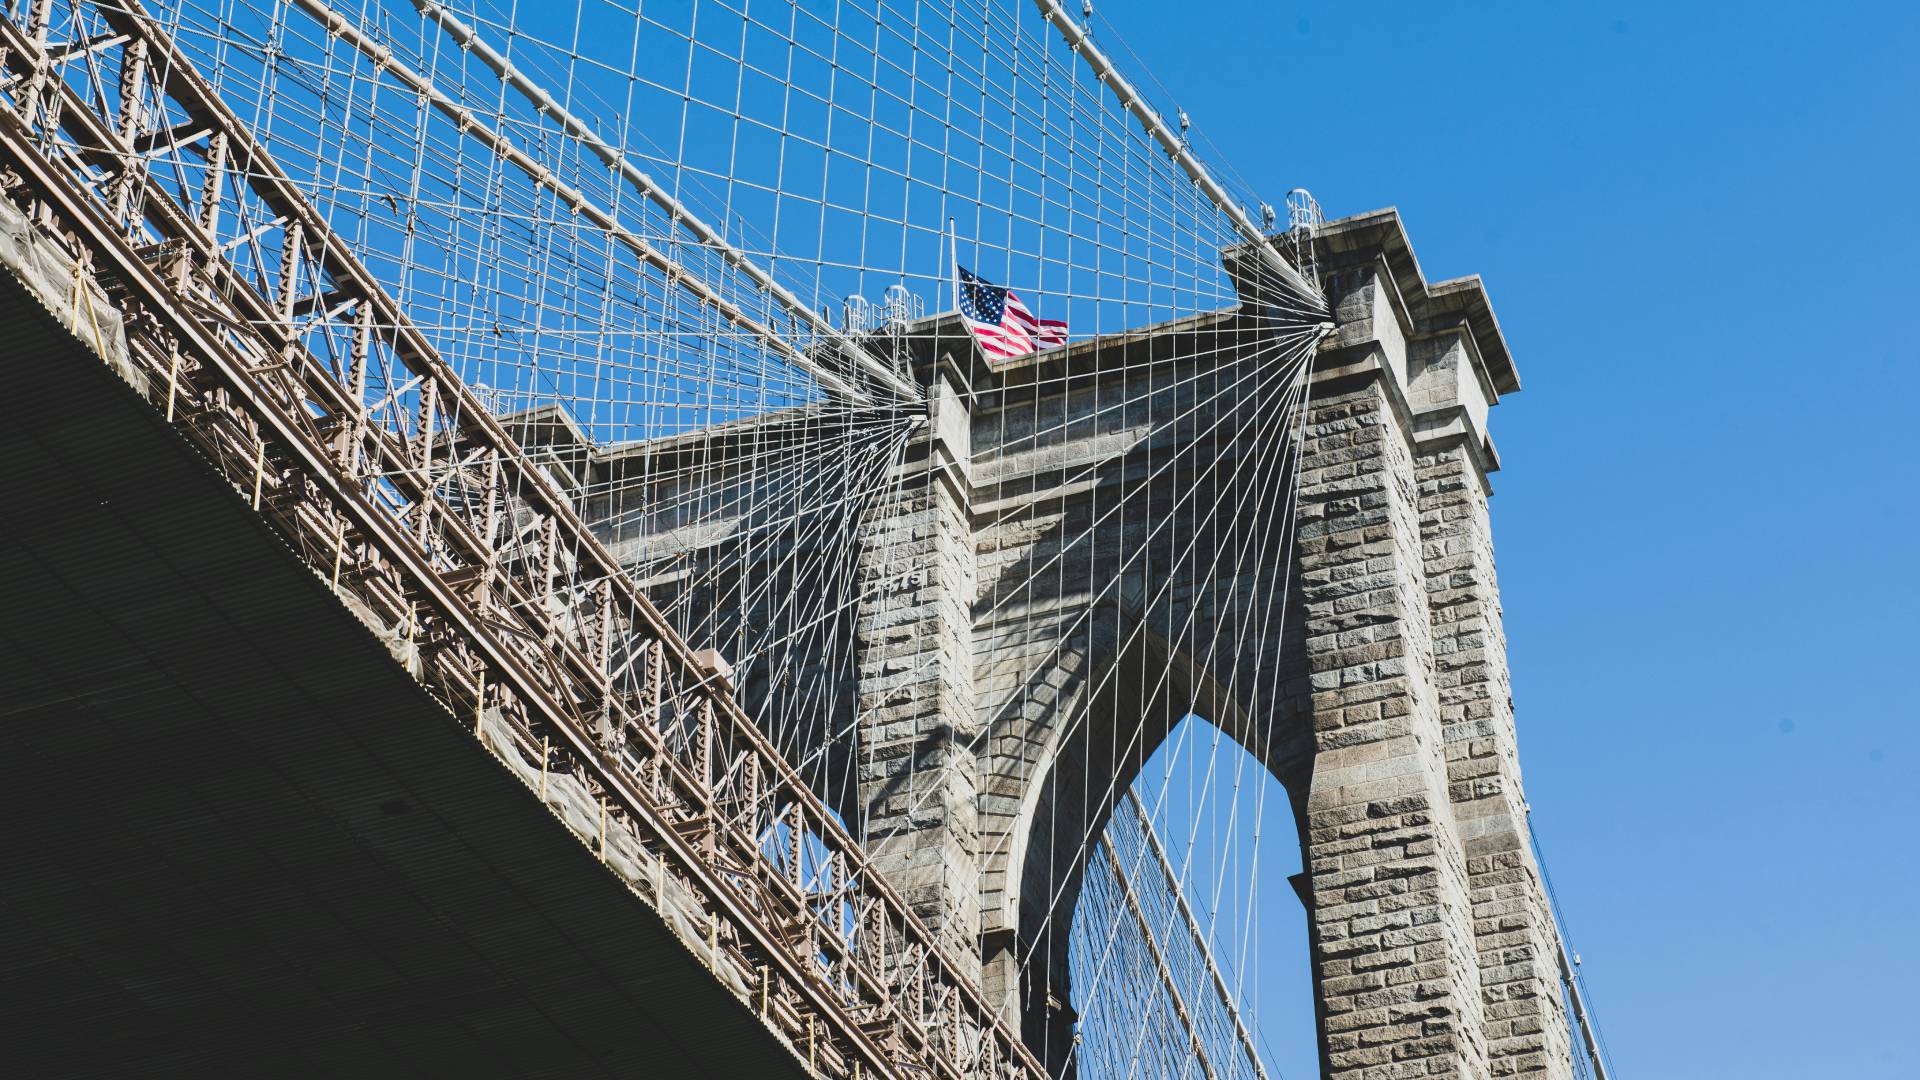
x=1434 y=949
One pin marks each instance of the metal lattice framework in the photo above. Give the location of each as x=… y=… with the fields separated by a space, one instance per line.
x=607 y=358
x=543 y=332
x=276 y=352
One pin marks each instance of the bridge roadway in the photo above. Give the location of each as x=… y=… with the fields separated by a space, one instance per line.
x=238 y=837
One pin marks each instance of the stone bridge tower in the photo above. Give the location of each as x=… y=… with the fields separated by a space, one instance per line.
x=1022 y=649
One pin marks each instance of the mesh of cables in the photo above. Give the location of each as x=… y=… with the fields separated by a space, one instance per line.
x=699 y=256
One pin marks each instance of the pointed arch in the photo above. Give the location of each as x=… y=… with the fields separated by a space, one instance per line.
x=1064 y=748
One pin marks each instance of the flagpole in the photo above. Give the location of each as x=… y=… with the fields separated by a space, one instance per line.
x=953 y=249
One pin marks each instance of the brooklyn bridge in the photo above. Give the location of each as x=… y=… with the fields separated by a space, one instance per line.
x=680 y=539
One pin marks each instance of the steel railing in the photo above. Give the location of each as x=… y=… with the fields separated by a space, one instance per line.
x=267 y=344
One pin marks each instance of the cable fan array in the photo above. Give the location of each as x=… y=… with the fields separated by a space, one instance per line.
x=1142 y=540
x=649 y=232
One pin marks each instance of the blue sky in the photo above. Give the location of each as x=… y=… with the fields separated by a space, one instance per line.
x=1696 y=225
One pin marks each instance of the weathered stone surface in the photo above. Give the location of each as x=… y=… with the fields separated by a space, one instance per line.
x=1073 y=554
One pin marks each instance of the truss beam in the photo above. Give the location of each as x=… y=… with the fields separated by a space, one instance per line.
x=1152 y=941
x=523 y=629
x=1193 y=930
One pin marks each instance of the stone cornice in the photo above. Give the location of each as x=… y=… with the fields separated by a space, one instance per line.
x=1427 y=306
x=1365 y=247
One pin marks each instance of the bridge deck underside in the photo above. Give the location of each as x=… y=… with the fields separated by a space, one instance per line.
x=238 y=838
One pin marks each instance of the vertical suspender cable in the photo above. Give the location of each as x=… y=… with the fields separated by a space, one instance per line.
x=341 y=28
x=467 y=38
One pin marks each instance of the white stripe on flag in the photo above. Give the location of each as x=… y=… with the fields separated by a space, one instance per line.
x=1002 y=341
x=1044 y=333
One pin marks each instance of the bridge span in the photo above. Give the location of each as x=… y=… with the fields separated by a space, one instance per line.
x=241 y=836
x=780 y=715
x=147 y=338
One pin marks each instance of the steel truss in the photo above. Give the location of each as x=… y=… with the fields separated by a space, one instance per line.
x=278 y=355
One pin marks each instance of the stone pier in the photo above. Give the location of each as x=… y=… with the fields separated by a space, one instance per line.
x=1074 y=552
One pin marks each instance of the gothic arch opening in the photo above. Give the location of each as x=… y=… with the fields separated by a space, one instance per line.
x=1197 y=856
x=1117 y=718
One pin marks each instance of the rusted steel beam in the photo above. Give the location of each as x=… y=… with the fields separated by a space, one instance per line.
x=364 y=492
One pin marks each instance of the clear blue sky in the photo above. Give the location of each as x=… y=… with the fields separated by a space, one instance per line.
x=1697 y=226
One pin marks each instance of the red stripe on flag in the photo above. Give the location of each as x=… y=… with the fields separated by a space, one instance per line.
x=999 y=343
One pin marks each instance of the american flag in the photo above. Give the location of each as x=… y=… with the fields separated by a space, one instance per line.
x=1001 y=323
